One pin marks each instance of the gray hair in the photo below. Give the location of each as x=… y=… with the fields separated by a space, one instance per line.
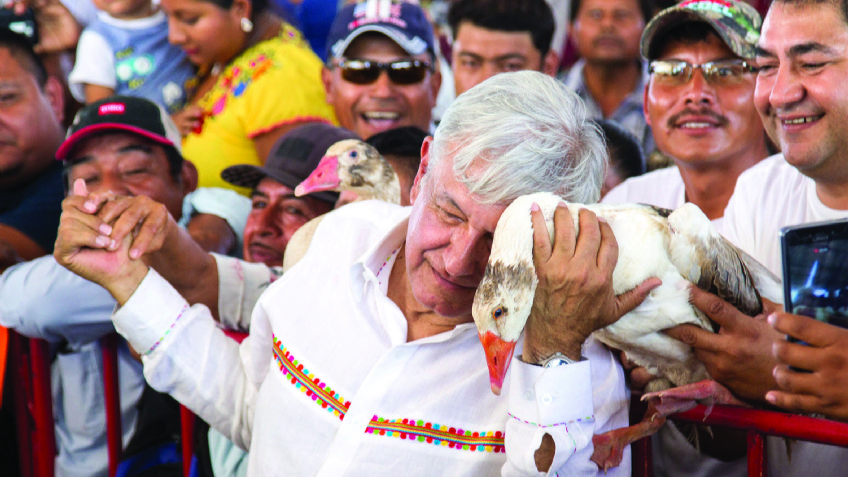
x=530 y=133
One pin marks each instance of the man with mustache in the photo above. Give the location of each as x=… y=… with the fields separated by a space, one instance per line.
x=699 y=103
x=610 y=76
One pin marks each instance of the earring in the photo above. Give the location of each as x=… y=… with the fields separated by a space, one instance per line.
x=246 y=25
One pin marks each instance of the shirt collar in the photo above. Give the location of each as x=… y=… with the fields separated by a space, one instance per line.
x=375 y=265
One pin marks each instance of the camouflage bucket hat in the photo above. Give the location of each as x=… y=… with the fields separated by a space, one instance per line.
x=736 y=23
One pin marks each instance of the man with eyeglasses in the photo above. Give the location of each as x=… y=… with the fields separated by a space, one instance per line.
x=381 y=70
x=802 y=98
x=699 y=103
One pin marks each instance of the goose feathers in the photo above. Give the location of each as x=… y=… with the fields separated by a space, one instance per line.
x=677 y=247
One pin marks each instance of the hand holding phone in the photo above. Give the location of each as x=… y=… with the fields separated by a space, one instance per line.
x=815 y=271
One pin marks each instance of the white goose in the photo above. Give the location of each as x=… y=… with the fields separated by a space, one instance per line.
x=351 y=165
x=676 y=247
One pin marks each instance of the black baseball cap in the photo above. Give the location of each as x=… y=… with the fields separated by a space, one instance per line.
x=24 y=25
x=292 y=158
x=122 y=113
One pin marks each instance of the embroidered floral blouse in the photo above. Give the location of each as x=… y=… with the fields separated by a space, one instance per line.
x=274 y=83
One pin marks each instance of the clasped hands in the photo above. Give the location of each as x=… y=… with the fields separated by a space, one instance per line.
x=102 y=237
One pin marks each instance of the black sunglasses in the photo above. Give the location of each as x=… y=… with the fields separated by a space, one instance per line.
x=401 y=72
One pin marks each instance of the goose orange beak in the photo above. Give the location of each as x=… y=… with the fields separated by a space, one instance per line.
x=498 y=358
x=324 y=177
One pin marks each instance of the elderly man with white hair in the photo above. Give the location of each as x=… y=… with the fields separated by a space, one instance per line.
x=363 y=359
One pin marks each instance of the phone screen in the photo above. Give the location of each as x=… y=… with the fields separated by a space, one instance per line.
x=815 y=271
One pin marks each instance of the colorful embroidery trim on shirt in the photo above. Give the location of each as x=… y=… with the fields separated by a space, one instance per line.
x=582 y=419
x=412 y=429
x=302 y=379
x=438 y=435
x=159 y=341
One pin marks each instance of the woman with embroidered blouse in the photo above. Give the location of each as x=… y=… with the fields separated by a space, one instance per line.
x=258 y=79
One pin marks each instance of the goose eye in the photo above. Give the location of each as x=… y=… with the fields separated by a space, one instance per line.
x=353 y=154
x=498 y=312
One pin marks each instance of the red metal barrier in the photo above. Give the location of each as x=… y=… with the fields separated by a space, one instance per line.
x=758 y=423
x=20 y=379
x=187 y=434
x=29 y=371
x=771 y=423
x=44 y=444
x=187 y=418
x=112 y=393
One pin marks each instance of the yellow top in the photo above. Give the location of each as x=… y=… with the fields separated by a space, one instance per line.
x=273 y=83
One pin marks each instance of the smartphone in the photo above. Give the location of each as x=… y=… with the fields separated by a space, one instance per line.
x=815 y=271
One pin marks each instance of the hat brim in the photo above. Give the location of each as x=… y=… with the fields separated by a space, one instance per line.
x=665 y=21
x=74 y=139
x=245 y=175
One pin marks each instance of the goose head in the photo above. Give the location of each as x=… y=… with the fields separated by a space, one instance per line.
x=353 y=165
x=504 y=297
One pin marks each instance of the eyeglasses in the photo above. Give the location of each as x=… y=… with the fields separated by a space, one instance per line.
x=401 y=72
x=717 y=73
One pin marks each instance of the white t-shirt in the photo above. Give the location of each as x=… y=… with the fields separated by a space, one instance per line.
x=95 y=60
x=672 y=455
x=662 y=188
x=769 y=196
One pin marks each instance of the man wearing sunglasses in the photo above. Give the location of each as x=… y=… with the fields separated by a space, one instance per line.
x=381 y=70
x=699 y=104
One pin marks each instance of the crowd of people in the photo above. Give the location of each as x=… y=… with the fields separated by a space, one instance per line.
x=150 y=153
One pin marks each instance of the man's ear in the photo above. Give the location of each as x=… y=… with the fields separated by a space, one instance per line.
x=550 y=63
x=422 y=169
x=188 y=177
x=55 y=94
x=327 y=79
x=645 y=104
x=435 y=83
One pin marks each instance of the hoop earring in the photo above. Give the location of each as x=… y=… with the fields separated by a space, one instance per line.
x=246 y=25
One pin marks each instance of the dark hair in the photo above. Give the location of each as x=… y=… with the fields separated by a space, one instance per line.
x=259 y=6
x=21 y=50
x=647 y=8
x=532 y=16
x=175 y=162
x=688 y=33
x=402 y=143
x=625 y=153
x=841 y=5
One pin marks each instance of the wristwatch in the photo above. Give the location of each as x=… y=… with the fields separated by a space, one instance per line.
x=557 y=359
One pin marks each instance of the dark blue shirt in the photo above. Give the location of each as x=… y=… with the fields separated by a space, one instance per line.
x=34 y=208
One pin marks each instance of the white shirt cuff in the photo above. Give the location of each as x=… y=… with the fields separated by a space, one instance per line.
x=151 y=313
x=551 y=396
